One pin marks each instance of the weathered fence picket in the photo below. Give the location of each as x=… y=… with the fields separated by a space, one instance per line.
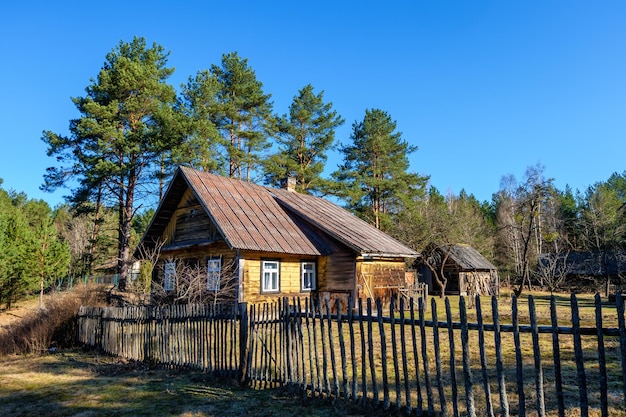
x=504 y=401
x=363 y=358
x=601 y=358
x=425 y=361
x=580 y=363
x=353 y=383
x=331 y=345
x=394 y=361
x=455 y=393
x=405 y=369
x=370 y=350
x=622 y=339
x=467 y=368
x=383 y=354
x=556 y=349
x=519 y=366
x=539 y=392
x=483 y=359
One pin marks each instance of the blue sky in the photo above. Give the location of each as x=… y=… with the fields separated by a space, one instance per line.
x=483 y=88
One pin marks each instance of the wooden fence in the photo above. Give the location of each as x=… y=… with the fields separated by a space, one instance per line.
x=204 y=337
x=402 y=358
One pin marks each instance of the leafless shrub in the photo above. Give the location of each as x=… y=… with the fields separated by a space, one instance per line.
x=191 y=284
x=552 y=270
x=148 y=257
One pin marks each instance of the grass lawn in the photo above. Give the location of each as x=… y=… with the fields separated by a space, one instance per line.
x=74 y=383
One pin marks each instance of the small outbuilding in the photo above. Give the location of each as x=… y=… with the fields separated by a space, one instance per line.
x=586 y=271
x=249 y=243
x=466 y=270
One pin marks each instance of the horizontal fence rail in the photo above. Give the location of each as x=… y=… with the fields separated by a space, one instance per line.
x=400 y=356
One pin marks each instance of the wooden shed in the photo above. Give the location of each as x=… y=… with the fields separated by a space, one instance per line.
x=251 y=243
x=467 y=271
x=586 y=271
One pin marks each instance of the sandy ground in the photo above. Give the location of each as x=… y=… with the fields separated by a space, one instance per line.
x=18 y=311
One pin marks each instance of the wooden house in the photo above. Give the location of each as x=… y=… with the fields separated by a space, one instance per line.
x=466 y=270
x=254 y=243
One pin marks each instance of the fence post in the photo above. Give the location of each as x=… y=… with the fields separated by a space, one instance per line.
x=100 y=334
x=519 y=367
x=467 y=370
x=243 y=343
x=621 y=320
x=580 y=359
x=539 y=390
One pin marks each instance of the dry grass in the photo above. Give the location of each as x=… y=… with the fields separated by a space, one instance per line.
x=586 y=305
x=73 y=383
x=29 y=329
x=545 y=346
x=18 y=311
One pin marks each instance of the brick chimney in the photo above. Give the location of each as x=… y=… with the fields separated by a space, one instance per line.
x=289 y=184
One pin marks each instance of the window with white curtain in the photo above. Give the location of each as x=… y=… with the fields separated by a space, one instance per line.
x=214 y=270
x=307 y=274
x=270 y=276
x=169 y=275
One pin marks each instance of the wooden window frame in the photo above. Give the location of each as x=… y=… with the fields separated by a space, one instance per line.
x=169 y=276
x=212 y=273
x=265 y=290
x=303 y=271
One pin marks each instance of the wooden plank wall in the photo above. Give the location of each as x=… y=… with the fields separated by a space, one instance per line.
x=380 y=278
x=189 y=223
x=290 y=285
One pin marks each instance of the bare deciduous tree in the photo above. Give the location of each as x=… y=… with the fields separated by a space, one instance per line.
x=435 y=257
x=552 y=270
x=148 y=257
x=520 y=221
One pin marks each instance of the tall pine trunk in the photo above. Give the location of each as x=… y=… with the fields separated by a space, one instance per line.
x=126 y=201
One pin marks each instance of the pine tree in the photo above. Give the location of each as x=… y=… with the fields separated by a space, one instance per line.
x=243 y=115
x=31 y=251
x=127 y=125
x=373 y=177
x=304 y=137
x=49 y=256
x=201 y=149
x=14 y=239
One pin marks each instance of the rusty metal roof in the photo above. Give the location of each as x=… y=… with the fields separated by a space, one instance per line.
x=342 y=225
x=248 y=217
x=253 y=217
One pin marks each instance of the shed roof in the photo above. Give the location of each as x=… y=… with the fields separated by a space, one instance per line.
x=466 y=257
x=257 y=218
